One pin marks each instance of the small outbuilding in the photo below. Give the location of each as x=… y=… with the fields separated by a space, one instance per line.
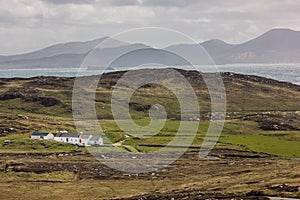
x=42 y=136
x=84 y=140
x=95 y=141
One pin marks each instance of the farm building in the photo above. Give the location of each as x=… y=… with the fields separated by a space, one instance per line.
x=95 y=141
x=71 y=138
x=84 y=139
x=79 y=139
x=42 y=136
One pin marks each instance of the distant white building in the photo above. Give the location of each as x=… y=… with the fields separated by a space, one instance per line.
x=95 y=141
x=42 y=136
x=71 y=138
x=84 y=140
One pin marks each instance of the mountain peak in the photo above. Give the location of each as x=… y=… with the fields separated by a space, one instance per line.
x=216 y=46
x=215 y=42
x=280 y=30
x=275 y=39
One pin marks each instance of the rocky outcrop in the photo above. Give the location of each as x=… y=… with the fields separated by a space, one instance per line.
x=138 y=107
x=45 y=101
x=11 y=95
x=30 y=96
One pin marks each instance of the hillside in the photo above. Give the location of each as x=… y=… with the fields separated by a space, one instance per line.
x=259 y=145
x=255 y=106
x=244 y=93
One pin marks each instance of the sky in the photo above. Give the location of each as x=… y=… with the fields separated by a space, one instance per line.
x=28 y=25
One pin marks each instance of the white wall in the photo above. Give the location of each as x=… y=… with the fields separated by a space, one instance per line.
x=84 y=141
x=70 y=140
x=97 y=142
x=35 y=137
x=50 y=136
x=79 y=141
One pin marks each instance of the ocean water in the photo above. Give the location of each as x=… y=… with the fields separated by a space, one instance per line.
x=282 y=72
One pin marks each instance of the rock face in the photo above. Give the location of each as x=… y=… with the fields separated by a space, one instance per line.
x=45 y=101
x=5 y=131
x=139 y=107
x=11 y=95
x=275 y=121
x=272 y=125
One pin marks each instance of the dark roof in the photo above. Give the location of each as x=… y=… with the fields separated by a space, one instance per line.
x=84 y=136
x=95 y=138
x=70 y=135
x=40 y=133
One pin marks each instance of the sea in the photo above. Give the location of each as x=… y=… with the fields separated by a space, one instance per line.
x=289 y=72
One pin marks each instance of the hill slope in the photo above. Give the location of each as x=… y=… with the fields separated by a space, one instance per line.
x=53 y=95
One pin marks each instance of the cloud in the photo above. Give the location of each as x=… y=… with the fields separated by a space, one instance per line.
x=31 y=24
x=150 y=3
x=70 y=1
x=170 y=3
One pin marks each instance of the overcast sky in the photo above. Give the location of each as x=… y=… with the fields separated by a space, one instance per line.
x=27 y=25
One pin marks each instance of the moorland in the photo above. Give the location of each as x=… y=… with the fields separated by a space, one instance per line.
x=256 y=156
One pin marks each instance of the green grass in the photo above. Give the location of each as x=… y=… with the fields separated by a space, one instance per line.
x=236 y=134
x=243 y=95
x=26 y=107
x=247 y=134
x=266 y=144
x=22 y=143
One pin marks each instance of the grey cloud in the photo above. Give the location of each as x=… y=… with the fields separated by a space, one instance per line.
x=170 y=3
x=100 y=2
x=121 y=3
x=150 y=3
x=51 y=21
x=70 y=1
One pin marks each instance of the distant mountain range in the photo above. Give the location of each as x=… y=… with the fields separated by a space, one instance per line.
x=274 y=46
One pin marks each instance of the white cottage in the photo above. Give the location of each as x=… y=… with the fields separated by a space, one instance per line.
x=84 y=140
x=95 y=141
x=42 y=136
x=71 y=138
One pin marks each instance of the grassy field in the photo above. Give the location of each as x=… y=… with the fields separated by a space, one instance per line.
x=82 y=177
x=254 y=105
x=237 y=134
x=263 y=119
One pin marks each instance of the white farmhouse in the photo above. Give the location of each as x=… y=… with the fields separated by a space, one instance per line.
x=71 y=138
x=42 y=136
x=84 y=140
x=95 y=141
